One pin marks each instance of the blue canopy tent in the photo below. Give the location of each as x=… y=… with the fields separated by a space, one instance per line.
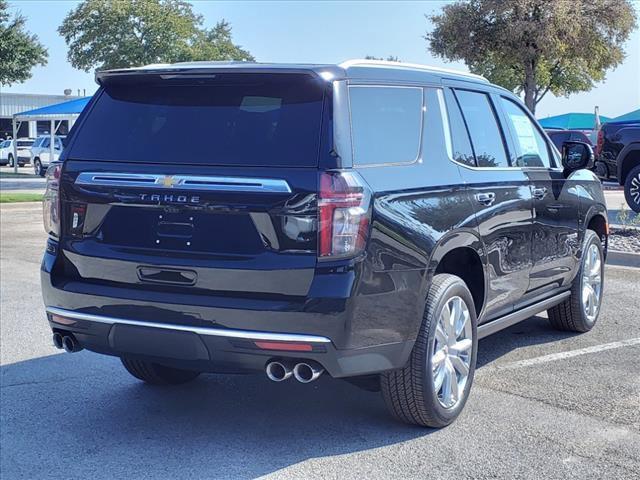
x=52 y=113
x=572 y=121
x=633 y=116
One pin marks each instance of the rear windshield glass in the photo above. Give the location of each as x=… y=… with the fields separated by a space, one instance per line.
x=24 y=143
x=232 y=119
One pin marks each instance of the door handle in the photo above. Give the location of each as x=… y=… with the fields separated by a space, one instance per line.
x=539 y=192
x=486 y=199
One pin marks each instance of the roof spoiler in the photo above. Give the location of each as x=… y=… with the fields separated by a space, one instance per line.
x=200 y=71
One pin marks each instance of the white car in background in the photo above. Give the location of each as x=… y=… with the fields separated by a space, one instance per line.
x=24 y=151
x=41 y=153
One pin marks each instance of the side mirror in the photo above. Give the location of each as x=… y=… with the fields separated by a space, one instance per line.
x=576 y=156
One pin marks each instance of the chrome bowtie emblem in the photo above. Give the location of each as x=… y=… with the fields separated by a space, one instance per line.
x=169 y=181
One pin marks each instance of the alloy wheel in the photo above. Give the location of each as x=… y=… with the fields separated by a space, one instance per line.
x=452 y=349
x=634 y=190
x=591 y=282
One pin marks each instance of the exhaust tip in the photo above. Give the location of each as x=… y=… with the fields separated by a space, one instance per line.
x=278 y=371
x=70 y=344
x=307 y=373
x=57 y=340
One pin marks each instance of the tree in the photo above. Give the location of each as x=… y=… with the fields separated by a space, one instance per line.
x=535 y=46
x=216 y=44
x=106 y=34
x=19 y=50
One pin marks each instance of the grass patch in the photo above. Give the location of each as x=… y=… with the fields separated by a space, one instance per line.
x=8 y=197
x=17 y=175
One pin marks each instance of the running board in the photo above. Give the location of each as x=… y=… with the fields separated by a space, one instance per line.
x=498 y=324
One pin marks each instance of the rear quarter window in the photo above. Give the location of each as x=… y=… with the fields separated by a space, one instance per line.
x=386 y=124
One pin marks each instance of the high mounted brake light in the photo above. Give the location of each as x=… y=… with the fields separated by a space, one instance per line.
x=343 y=215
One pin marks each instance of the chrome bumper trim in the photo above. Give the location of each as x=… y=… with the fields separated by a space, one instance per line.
x=213 y=332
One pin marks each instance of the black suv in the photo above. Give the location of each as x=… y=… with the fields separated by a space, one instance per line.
x=618 y=157
x=369 y=220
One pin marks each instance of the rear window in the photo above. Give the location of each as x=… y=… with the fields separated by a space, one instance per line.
x=25 y=143
x=227 y=119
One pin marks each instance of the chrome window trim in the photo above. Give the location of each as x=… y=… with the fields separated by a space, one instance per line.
x=418 y=158
x=207 y=331
x=444 y=115
x=183 y=182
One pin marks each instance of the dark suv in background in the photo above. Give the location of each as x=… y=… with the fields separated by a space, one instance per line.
x=369 y=220
x=618 y=154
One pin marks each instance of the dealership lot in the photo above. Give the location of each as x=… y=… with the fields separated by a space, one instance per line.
x=544 y=405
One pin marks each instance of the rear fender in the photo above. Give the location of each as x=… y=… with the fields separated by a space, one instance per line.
x=464 y=238
x=625 y=156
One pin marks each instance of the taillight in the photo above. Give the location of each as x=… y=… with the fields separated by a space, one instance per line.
x=343 y=215
x=51 y=200
x=600 y=142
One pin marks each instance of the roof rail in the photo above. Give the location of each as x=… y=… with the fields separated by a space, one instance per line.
x=417 y=66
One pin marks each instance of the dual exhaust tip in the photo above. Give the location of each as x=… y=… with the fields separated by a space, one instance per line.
x=68 y=343
x=304 y=372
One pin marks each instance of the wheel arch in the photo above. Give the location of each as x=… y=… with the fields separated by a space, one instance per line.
x=629 y=158
x=462 y=253
x=596 y=219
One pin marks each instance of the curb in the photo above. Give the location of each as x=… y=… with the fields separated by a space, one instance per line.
x=623 y=259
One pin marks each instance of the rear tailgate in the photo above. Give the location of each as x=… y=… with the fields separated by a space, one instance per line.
x=205 y=185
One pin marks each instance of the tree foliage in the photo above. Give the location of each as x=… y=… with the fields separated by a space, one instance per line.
x=535 y=46
x=20 y=51
x=106 y=34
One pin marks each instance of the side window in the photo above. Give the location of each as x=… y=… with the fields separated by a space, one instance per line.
x=462 y=151
x=532 y=149
x=484 y=130
x=37 y=142
x=45 y=142
x=386 y=124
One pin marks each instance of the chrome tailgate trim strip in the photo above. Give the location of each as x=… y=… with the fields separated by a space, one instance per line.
x=183 y=182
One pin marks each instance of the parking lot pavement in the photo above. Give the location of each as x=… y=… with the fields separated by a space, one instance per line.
x=544 y=404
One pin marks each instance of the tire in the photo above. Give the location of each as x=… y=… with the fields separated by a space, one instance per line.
x=37 y=168
x=410 y=392
x=572 y=314
x=632 y=189
x=156 y=374
x=602 y=171
x=11 y=160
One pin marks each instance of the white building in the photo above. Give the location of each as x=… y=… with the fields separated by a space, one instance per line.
x=12 y=103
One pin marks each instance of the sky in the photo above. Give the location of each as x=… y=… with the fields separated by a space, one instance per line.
x=320 y=32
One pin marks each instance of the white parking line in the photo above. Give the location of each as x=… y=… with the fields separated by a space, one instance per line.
x=570 y=354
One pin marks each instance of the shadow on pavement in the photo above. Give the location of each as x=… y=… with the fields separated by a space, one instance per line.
x=533 y=331
x=83 y=416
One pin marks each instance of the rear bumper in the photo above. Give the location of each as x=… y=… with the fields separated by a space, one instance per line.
x=219 y=333
x=217 y=349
